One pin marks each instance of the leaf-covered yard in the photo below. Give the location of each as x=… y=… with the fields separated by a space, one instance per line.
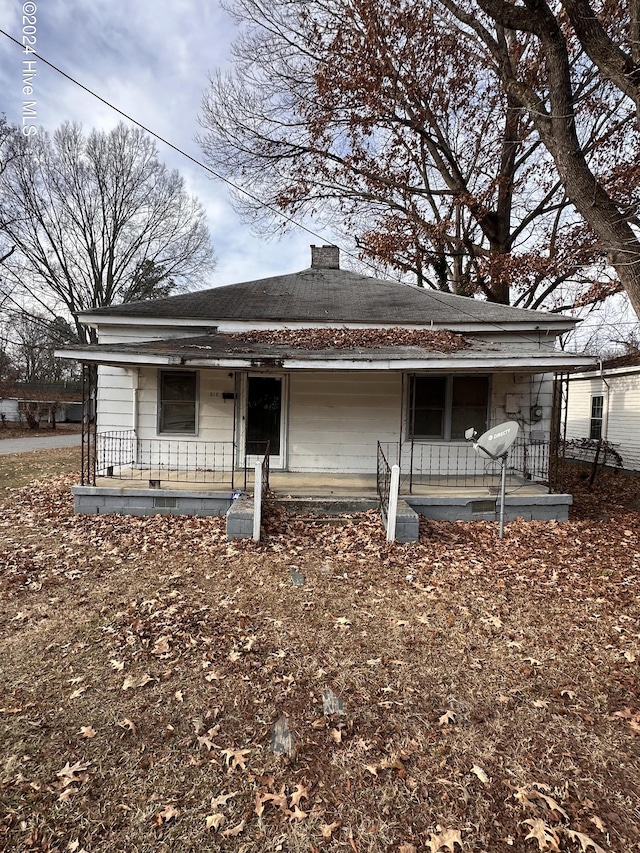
x=489 y=688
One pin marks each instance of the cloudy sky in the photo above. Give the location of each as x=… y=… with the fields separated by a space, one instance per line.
x=151 y=60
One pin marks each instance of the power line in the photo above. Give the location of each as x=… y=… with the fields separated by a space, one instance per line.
x=276 y=211
x=177 y=149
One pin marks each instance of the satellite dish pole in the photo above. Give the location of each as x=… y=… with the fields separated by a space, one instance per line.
x=494 y=444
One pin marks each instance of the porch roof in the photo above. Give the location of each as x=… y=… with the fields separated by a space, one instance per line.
x=225 y=351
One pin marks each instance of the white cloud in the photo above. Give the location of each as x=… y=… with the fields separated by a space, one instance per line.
x=152 y=61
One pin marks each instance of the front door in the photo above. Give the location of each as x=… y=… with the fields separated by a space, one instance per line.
x=264 y=419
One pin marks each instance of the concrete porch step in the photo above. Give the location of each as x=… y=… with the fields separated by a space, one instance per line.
x=331 y=511
x=316 y=507
x=323 y=520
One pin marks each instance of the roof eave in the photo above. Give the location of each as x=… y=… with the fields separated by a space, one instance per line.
x=530 y=363
x=552 y=324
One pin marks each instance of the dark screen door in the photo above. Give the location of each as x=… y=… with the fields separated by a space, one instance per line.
x=264 y=406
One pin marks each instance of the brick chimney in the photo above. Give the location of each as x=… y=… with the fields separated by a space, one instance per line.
x=325 y=257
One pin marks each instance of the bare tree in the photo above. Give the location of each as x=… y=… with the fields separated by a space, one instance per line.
x=8 y=370
x=97 y=220
x=30 y=341
x=378 y=115
x=7 y=152
x=32 y=350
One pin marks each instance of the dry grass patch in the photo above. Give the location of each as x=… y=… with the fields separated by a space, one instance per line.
x=490 y=688
x=19 y=469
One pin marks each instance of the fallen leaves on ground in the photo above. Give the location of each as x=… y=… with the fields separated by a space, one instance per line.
x=215 y=821
x=489 y=703
x=546 y=836
x=446 y=839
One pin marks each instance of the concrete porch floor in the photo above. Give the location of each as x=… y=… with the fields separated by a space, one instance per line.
x=312 y=494
x=364 y=485
x=313 y=484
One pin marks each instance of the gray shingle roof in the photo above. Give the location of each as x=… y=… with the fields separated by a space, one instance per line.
x=630 y=359
x=325 y=295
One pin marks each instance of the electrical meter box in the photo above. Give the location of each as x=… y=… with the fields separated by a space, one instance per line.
x=512 y=404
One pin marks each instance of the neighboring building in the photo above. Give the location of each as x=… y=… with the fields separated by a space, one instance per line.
x=330 y=367
x=604 y=405
x=15 y=410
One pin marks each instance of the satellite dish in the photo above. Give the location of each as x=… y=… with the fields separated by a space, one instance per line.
x=495 y=442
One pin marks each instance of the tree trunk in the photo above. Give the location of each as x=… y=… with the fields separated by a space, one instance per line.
x=557 y=130
x=634 y=38
x=616 y=236
x=614 y=63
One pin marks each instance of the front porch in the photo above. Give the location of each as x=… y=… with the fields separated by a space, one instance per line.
x=121 y=459
x=145 y=477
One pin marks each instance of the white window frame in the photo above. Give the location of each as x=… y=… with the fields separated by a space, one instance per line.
x=594 y=419
x=448 y=404
x=159 y=429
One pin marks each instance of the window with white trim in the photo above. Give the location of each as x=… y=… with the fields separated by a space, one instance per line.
x=177 y=401
x=443 y=407
x=597 y=415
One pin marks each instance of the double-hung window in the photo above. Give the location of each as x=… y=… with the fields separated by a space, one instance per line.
x=177 y=401
x=597 y=415
x=443 y=407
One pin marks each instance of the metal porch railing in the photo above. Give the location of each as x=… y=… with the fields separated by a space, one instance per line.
x=121 y=455
x=452 y=465
x=383 y=479
x=456 y=465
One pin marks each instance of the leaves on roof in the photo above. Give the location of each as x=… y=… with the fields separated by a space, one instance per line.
x=346 y=338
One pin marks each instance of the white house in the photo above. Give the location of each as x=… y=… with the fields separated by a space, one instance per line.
x=604 y=405
x=335 y=370
x=15 y=409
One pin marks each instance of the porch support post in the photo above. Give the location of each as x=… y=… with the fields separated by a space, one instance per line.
x=503 y=488
x=257 y=501
x=135 y=381
x=235 y=459
x=393 y=503
x=89 y=423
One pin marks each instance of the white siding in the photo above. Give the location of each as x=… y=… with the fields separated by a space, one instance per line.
x=9 y=408
x=136 y=334
x=621 y=422
x=336 y=420
x=115 y=398
x=215 y=415
x=514 y=394
x=623 y=427
x=116 y=402
x=579 y=406
x=333 y=422
x=519 y=341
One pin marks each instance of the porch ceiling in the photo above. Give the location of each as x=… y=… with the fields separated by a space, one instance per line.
x=221 y=351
